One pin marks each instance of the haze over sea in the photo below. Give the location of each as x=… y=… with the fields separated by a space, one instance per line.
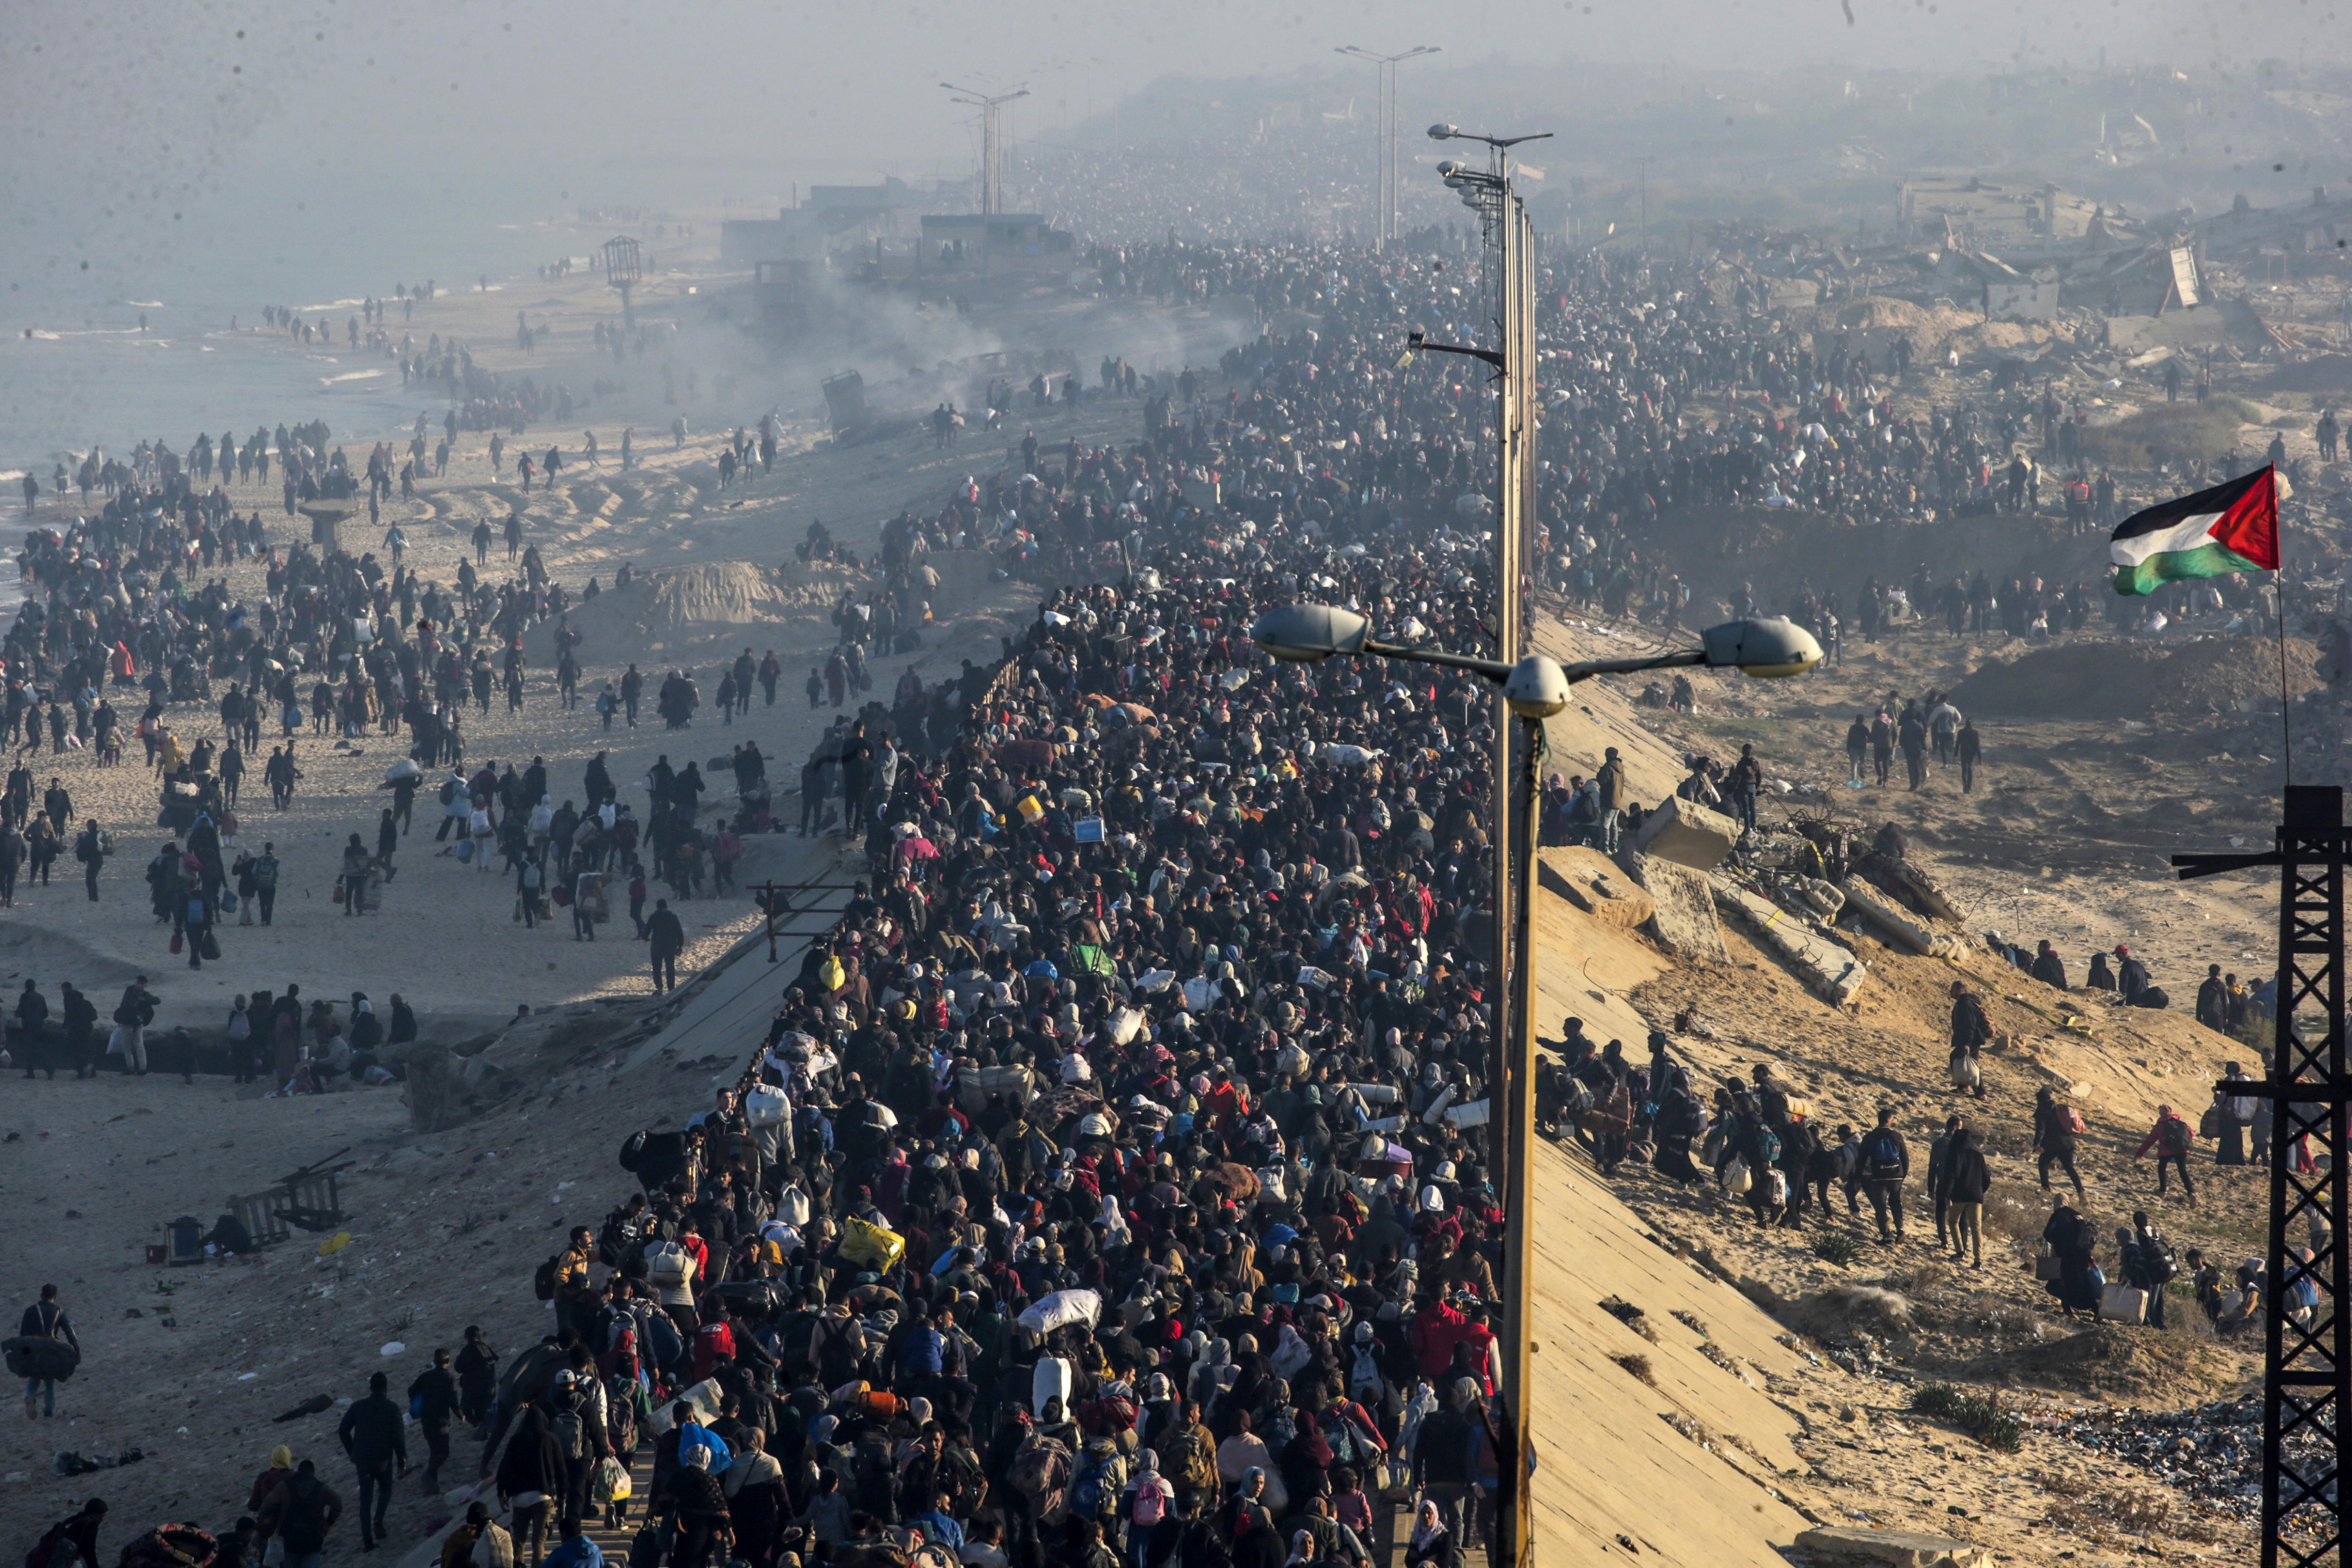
x=76 y=371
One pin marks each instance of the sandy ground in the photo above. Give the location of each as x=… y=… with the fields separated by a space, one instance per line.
x=445 y=937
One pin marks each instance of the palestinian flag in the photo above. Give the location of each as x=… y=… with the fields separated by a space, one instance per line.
x=2232 y=527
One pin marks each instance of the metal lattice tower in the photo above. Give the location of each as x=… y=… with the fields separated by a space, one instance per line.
x=2307 y=1366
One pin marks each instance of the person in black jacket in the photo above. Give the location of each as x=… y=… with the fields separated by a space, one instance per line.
x=1971 y=1032
x=1965 y=1180
x=374 y=1434
x=2073 y=1243
x=531 y=1465
x=435 y=1398
x=478 y=1372
x=666 y=938
x=1885 y=1166
x=2048 y=967
x=46 y=1320
x=73 y=1538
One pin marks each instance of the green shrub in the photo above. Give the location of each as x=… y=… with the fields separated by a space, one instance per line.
x=1837 y=1247
x=1980 y=1415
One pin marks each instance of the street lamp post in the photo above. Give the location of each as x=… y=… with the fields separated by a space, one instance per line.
x=1534 y=689
x=991 y=146
x=1489 y=193
x=1385 y=226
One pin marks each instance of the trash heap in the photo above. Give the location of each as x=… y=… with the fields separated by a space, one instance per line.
x=2211 y=1452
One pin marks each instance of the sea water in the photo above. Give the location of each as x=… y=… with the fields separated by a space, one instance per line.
x=77 y=370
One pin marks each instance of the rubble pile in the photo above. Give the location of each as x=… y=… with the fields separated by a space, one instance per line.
x=2212 y=1452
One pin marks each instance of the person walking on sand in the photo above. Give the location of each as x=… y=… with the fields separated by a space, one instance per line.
x=2171 y=1138
x=2056 y=1128
x=1961 y=1194
x=46 y=1320
x=300 y=1512
x=1885 y=1166
x=374 y=1434
x=666 y=936
x=434 y=1395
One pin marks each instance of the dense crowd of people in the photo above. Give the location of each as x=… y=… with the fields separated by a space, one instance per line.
x=1100 y=1192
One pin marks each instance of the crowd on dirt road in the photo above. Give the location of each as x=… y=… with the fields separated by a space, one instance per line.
x=1108 y=1186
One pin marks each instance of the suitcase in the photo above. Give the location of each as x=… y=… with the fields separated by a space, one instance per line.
x=2123 y=1304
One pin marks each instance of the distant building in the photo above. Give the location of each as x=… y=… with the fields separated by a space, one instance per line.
x=1987 y=215
x=994 y=242
x=839 y=226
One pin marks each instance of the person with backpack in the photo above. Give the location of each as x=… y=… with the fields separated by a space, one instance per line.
x=300 y=1514
x=1192 y=1455
x=1885 y=1167
x=2172 y=1138
x=374 y=1434
x=2148 y=1265
x=1149 y=1503
x=72 y=1541
x=1960 y=1189
x=2056 y=1128
x=579 y=1434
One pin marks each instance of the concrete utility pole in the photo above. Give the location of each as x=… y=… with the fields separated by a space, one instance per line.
x=1511 y=1079
x=1645 y=163
x=991 y=146
x=1385 y=226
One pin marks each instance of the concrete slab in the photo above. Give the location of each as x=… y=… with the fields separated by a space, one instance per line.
x=1592 y=881
x=1894 y=1548
x=1687 y=835
x=1829 y=970
x=1682 y=914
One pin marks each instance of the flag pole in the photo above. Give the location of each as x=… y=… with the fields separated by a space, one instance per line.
x=2278 y=605
x=2287 y=733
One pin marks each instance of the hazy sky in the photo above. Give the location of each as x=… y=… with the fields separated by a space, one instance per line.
x=139 y=127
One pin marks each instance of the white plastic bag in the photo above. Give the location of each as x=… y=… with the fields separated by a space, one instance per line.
x=1737 y=1178
x=1061 y=1309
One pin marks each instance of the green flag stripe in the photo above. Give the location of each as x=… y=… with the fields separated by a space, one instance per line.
x=2174 y=565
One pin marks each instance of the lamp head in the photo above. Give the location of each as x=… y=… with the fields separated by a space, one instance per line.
x=1443 y=132
x=1305 y=634
x=1536 y=687
x=1768 y=647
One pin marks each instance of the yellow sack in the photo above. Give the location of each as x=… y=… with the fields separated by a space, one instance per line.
x=871 y=1246
x=830 y=974
x=1028 y=807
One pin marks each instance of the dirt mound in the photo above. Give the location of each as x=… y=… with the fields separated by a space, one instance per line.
x=2091 y=679
x=691 y=604
x=2132 y=680
x=2145 y=1365
x=2323 y=373
x=1886 y=312
x=2222 y=672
